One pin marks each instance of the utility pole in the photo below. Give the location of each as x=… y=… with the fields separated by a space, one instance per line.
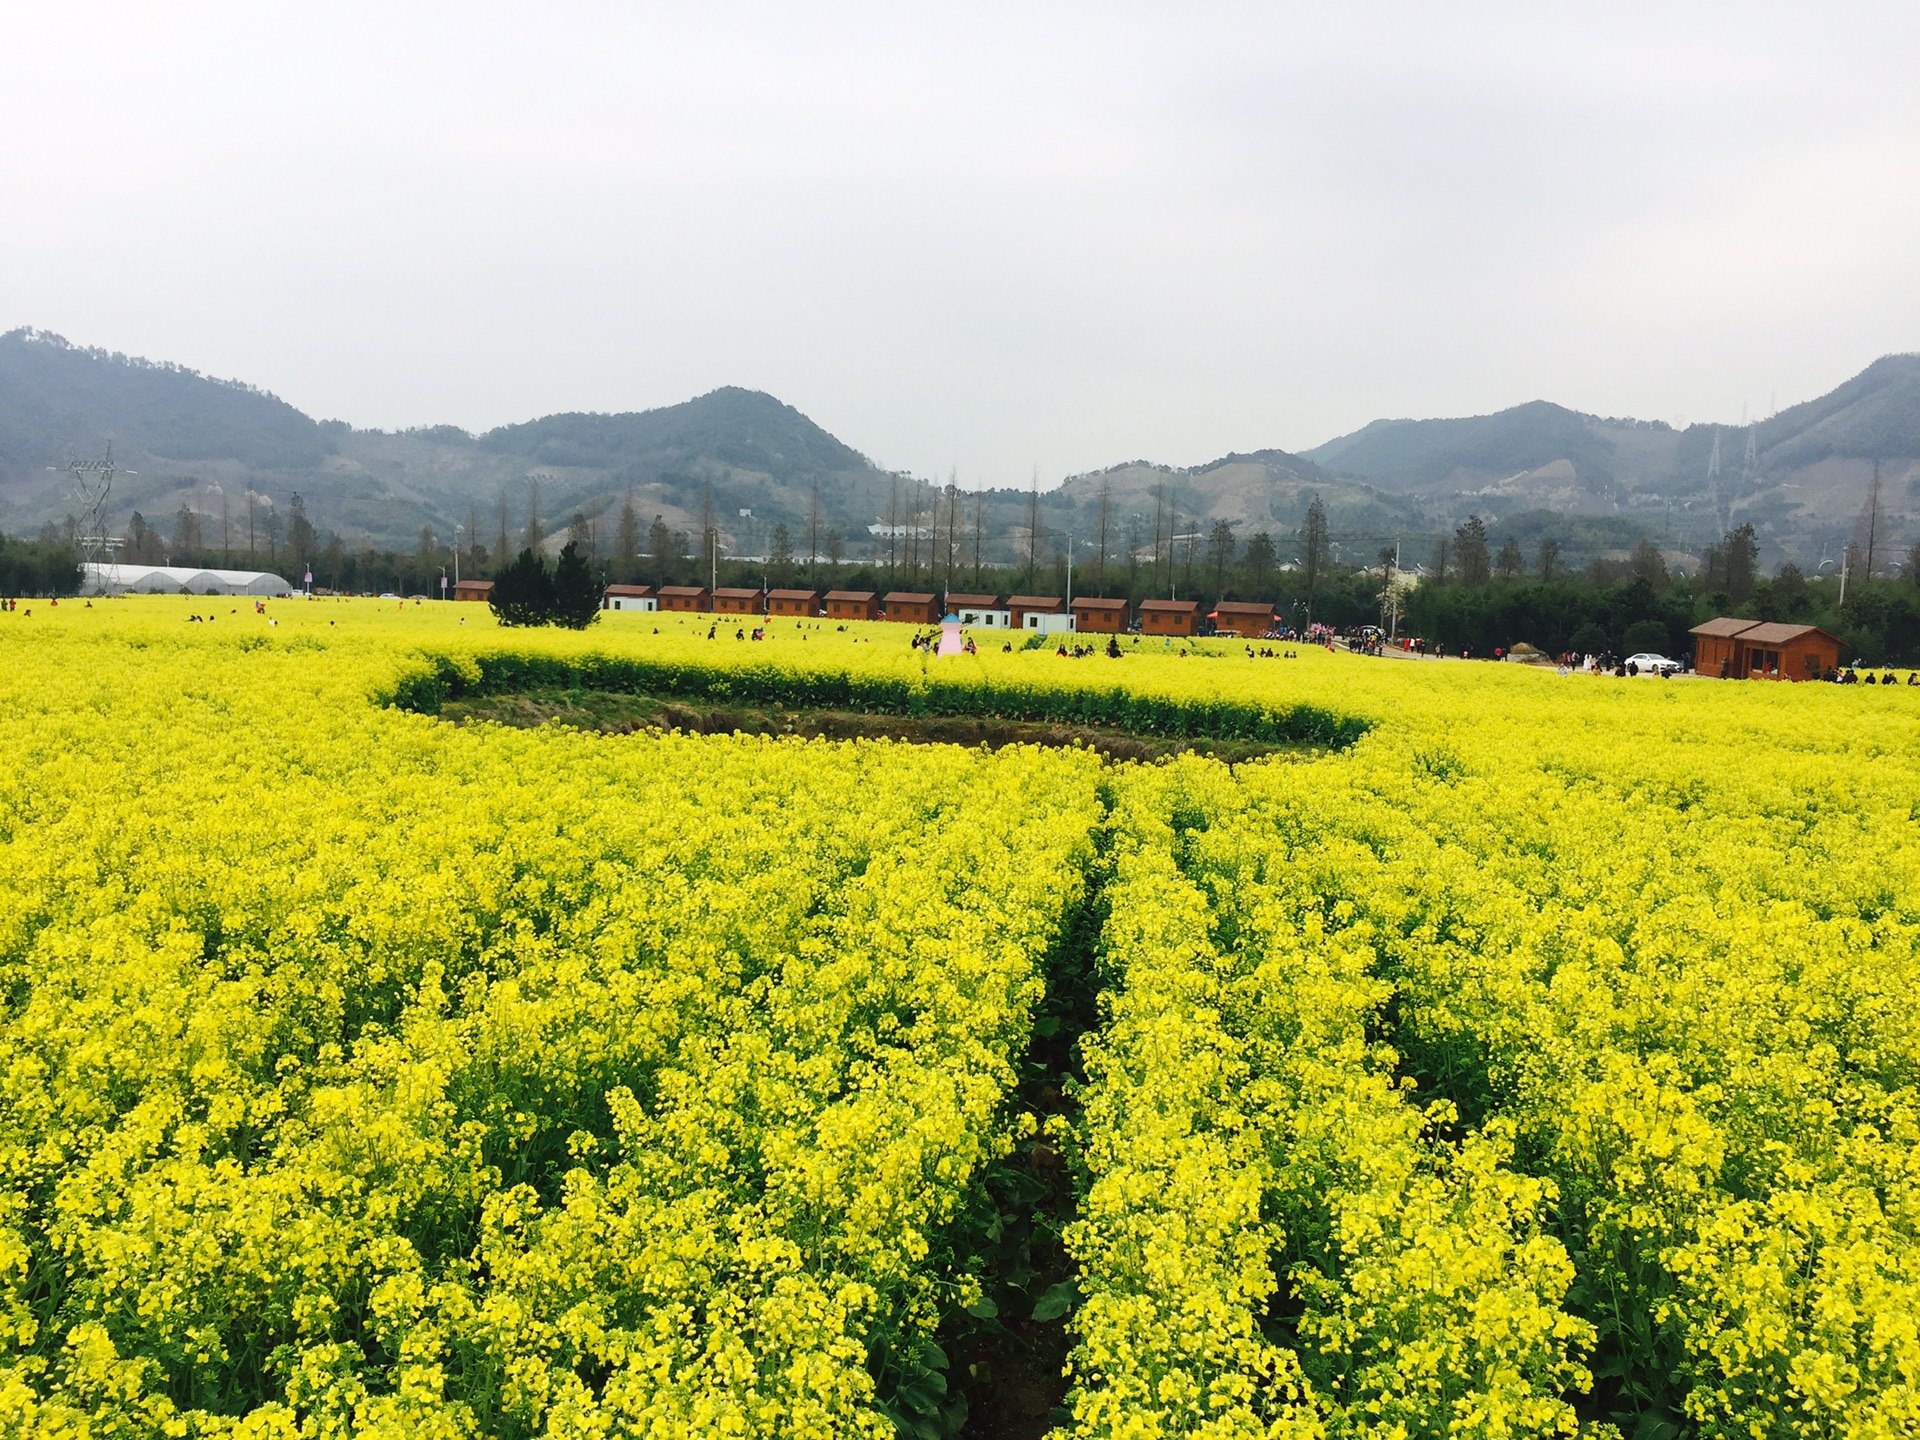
x=1873 y=516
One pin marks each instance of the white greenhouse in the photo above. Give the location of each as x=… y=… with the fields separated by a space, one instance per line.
x=173 y=579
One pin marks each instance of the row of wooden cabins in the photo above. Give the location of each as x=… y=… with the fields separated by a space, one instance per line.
x=1044 y=614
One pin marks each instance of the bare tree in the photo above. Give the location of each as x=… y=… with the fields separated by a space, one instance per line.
x=893 y=526
x=1220 y=550
x=1315 y=550
x=1549 y=557
x=709 y=533
x=534 y=533
x=1033 y=526
x=813 y=524
x=953 y=521
x=1103 y=522
x=1870 y=516
x=979 y=532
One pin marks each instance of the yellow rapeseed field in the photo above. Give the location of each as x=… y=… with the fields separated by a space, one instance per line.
x=1514 y=1054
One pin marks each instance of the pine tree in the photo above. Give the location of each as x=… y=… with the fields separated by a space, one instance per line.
x=629 y=535
x=576 y=594
x=523 y=592
x=1259 y=563
x=301 y=538
x=1470 y=552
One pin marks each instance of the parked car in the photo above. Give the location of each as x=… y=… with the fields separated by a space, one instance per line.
x=1647 y=663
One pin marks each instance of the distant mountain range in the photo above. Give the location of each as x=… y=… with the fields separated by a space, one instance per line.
x=1800 y=476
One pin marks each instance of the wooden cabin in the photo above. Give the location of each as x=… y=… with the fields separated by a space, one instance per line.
x=981 y=612
x=1250 y=618
x=1169 y=617
x=629 y=597
x=912 y=607
x=1734 y=649
x=738 y=600
x=852 y=605
x=685 y=597
x=1101 y=617
x=1021 y=606
x=803 y=603
x=473 y=590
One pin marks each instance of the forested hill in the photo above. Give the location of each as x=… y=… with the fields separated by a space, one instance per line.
x=741 y=428
x=194 y=440
x=1802 y=482
x=57 y=398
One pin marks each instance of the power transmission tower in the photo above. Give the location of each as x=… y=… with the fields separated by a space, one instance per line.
x=91 y=484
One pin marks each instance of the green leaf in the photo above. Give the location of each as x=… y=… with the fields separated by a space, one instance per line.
x=983 y=1308
x=1057 y=1300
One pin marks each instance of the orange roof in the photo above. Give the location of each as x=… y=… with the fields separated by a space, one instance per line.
x=794 y=594
x=1090 y=602
x=629 y=590
x=907 y=597
x=973 y=602
x=1725 y=627
x=1780 y=634
x=1033 y=602
x=861 y=596
x=1182 y=606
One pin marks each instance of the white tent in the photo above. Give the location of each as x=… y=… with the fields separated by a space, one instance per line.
x=172 y=579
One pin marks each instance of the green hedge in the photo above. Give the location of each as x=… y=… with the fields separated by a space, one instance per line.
x=1110 y=707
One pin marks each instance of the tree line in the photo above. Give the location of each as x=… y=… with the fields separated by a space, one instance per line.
x=1482 y=599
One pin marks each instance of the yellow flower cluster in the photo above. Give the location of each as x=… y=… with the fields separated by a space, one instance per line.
x=1640 y=956
x=1278 y=1238
x=369 y=1075
x=1534 y=1054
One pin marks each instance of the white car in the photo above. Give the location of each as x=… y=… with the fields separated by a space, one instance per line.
x=1649 y=664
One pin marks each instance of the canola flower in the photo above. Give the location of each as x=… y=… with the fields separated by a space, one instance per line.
x=1530 y=1054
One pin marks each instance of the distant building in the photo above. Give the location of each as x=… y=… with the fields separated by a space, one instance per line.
x=793 y=602
x=629 y=597
x=1101 y=617
x=852 y=605
x=685 y=597
x=1242 y=617
x=1169 y=617
x=481 y=590
x=1019 y=607
x=911 y=607
x=172 y=579
x=981 y=612
x=1735 y=649
x=738 y=600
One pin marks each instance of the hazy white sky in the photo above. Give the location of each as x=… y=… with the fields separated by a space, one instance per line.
x=975 y=236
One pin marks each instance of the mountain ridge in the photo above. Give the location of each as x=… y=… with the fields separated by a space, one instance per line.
x=751 y=462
